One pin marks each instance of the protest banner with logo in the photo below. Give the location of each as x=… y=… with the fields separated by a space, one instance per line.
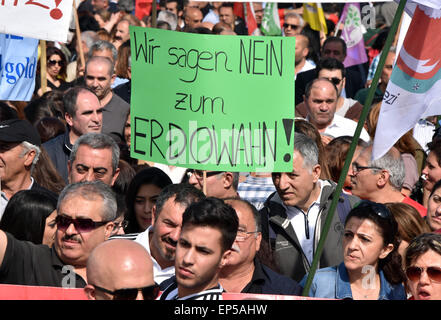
x=212 y=102
x=18 y=66
x=39 y=19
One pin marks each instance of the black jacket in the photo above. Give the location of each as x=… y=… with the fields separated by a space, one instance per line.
x=59 y=149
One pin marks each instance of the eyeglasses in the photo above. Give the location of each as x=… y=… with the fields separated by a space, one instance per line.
x=336 y=81
x=199 y=174
x=357 y=168
x=54 y=62
x=149 y=293
x=380 y=209
x=81 y=225
x=243 y=235
x=292 y=26
x=414 y=273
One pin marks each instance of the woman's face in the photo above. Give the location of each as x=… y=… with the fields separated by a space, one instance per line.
x=54 y=64
x=127 y=130
x=363 y=245
x=144 y=201
x=423 y=287
x=434 y=210
x=49 y=229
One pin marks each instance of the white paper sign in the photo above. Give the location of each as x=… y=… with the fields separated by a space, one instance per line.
x=39 y=19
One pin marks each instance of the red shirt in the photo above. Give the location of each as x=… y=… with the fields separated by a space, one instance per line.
x=421 y=209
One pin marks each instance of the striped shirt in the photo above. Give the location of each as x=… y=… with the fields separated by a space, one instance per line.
x=171 y=293
x=256 y=190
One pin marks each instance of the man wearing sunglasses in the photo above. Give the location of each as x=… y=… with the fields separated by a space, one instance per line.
x=85 y=214
x=245 y=271
x=127 y=275
x=381 y=180
x=293 y=24
x=219 y=184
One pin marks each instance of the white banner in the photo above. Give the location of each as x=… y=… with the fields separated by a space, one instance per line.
x=39 y=19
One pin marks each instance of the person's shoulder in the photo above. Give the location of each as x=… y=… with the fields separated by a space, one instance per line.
x=282 y=283
x=55 y=141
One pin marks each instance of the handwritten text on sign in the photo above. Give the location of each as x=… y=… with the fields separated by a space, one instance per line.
x=212 y=102
x=39 y=19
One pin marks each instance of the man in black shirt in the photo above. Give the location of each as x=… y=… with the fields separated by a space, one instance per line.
x=85 y=215
x=245 y=272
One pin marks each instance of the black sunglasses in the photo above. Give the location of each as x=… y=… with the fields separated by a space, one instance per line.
x=200 y=174
x=414 y=273
x=81 y=225
x=54 y=62
x=149 y=293
x=293 y=26
x=380 y=209
x=336 y=81
x=357 y=168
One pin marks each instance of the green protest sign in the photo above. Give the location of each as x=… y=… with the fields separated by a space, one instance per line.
x=212 y=102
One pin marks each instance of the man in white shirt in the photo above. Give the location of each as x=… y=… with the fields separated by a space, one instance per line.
x=161 y=237
x=321 y=97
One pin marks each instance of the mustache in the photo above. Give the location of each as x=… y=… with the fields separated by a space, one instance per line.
x=73 y=237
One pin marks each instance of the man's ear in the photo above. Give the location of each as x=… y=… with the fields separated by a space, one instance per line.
x=224 y=259
x=383 y=179
x=110 y=226
x=89 y=290
x=115 y=176
x=29 y=158
x=227 y=179
x=69 y=119
x=153 y=214
x=316 y=171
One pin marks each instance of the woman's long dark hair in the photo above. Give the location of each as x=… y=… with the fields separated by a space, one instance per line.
x=391 y=265
x=25 y=214
x=151 y=175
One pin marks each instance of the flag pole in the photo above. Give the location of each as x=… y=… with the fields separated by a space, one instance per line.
x=354 y=142
x=43 y=60
x=78 y=33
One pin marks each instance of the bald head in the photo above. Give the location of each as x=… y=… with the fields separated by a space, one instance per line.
x=193 y=17
x=118 y=264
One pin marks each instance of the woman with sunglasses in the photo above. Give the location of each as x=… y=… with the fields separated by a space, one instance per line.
x=423 y=267
x=55 y=71
x=371 y=267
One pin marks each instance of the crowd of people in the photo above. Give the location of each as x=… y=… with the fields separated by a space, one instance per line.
x=76 y=210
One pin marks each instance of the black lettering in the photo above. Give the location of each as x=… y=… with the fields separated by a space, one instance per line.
x=243 y=57
x=172 y=128
x=178 y=102
x=255 y=58
x=154 y=137
x=273 y=50
x=138 y=134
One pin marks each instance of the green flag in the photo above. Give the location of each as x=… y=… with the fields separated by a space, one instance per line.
x=271 y=23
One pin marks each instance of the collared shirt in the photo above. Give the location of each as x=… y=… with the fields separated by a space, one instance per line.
x=333 y=283
x=256 y=190
x=26 y=263
x=341 y=126
x=304 y=223
x=159 y=274
x=4 y=200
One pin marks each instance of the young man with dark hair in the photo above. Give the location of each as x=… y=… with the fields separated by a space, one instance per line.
x=209 y=228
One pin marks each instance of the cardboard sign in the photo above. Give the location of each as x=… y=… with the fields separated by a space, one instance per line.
x=39 y=19
x=18 y=66
x=212 y=102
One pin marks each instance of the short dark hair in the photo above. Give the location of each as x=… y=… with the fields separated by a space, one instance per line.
x=214 y=213
x=335 y=39
x=183 y=193
x=70 y=99
x=331 y=64
x=421 y=244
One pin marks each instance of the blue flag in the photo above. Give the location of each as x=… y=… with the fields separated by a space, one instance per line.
x=18 y=65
